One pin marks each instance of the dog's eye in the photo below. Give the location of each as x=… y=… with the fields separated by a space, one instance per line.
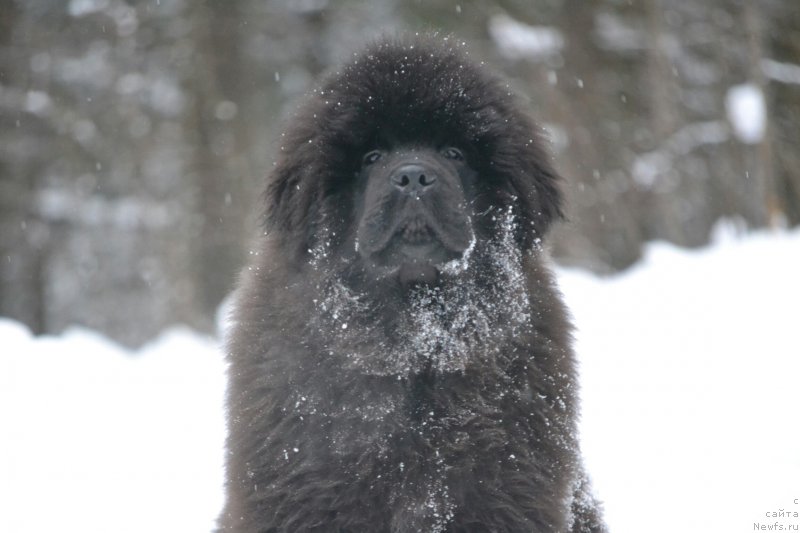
x=371 y=157
x=453 y=153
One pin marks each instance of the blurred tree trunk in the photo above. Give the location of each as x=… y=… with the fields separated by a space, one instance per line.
x=20 y=264
x=28 y=241
x=761 y=162
x=782 y=68
x=100 y=208
x=219 y=165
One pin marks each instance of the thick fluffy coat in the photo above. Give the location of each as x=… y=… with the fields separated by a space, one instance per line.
x=385 y=398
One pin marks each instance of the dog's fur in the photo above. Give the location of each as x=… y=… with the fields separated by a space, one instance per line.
x=430 y=387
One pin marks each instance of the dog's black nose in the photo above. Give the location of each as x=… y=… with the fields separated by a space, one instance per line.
x=413 y=179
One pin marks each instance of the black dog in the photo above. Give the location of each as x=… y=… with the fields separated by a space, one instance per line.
x=401 y=357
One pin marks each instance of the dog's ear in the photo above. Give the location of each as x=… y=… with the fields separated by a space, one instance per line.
x=537 y=185
x=516 y=164
x=289 y=195
x=306 y=196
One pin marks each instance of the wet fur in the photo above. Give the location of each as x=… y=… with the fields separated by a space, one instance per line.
x=357 y=403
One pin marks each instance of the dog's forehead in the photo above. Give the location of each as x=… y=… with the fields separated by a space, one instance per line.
x=414 y=135
x=398 y=92
x=392 y=77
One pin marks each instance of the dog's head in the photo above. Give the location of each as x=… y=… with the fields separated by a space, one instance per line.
x=403 y=159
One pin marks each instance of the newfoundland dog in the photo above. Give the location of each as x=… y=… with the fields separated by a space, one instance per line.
x=400 y=359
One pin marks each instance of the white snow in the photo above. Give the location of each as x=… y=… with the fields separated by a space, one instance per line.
x=690 y=374
x=80 y=8
x=517 y=40
x=691 y=385
x=95 y=439
x=38 y=103
x=781 y=72
x=747 y=112
x=613 y=33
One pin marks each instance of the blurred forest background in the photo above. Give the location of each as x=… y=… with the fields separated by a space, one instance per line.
x=135 y=135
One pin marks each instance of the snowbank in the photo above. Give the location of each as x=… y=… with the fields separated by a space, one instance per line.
x=94 y=439
x=691 y=391
x=691 y=385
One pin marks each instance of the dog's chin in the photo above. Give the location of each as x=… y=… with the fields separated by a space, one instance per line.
x=413 y=263
x=410 y=274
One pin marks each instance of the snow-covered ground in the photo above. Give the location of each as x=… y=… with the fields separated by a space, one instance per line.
x=691 y=385
x=94 y=439
x=691 y=395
